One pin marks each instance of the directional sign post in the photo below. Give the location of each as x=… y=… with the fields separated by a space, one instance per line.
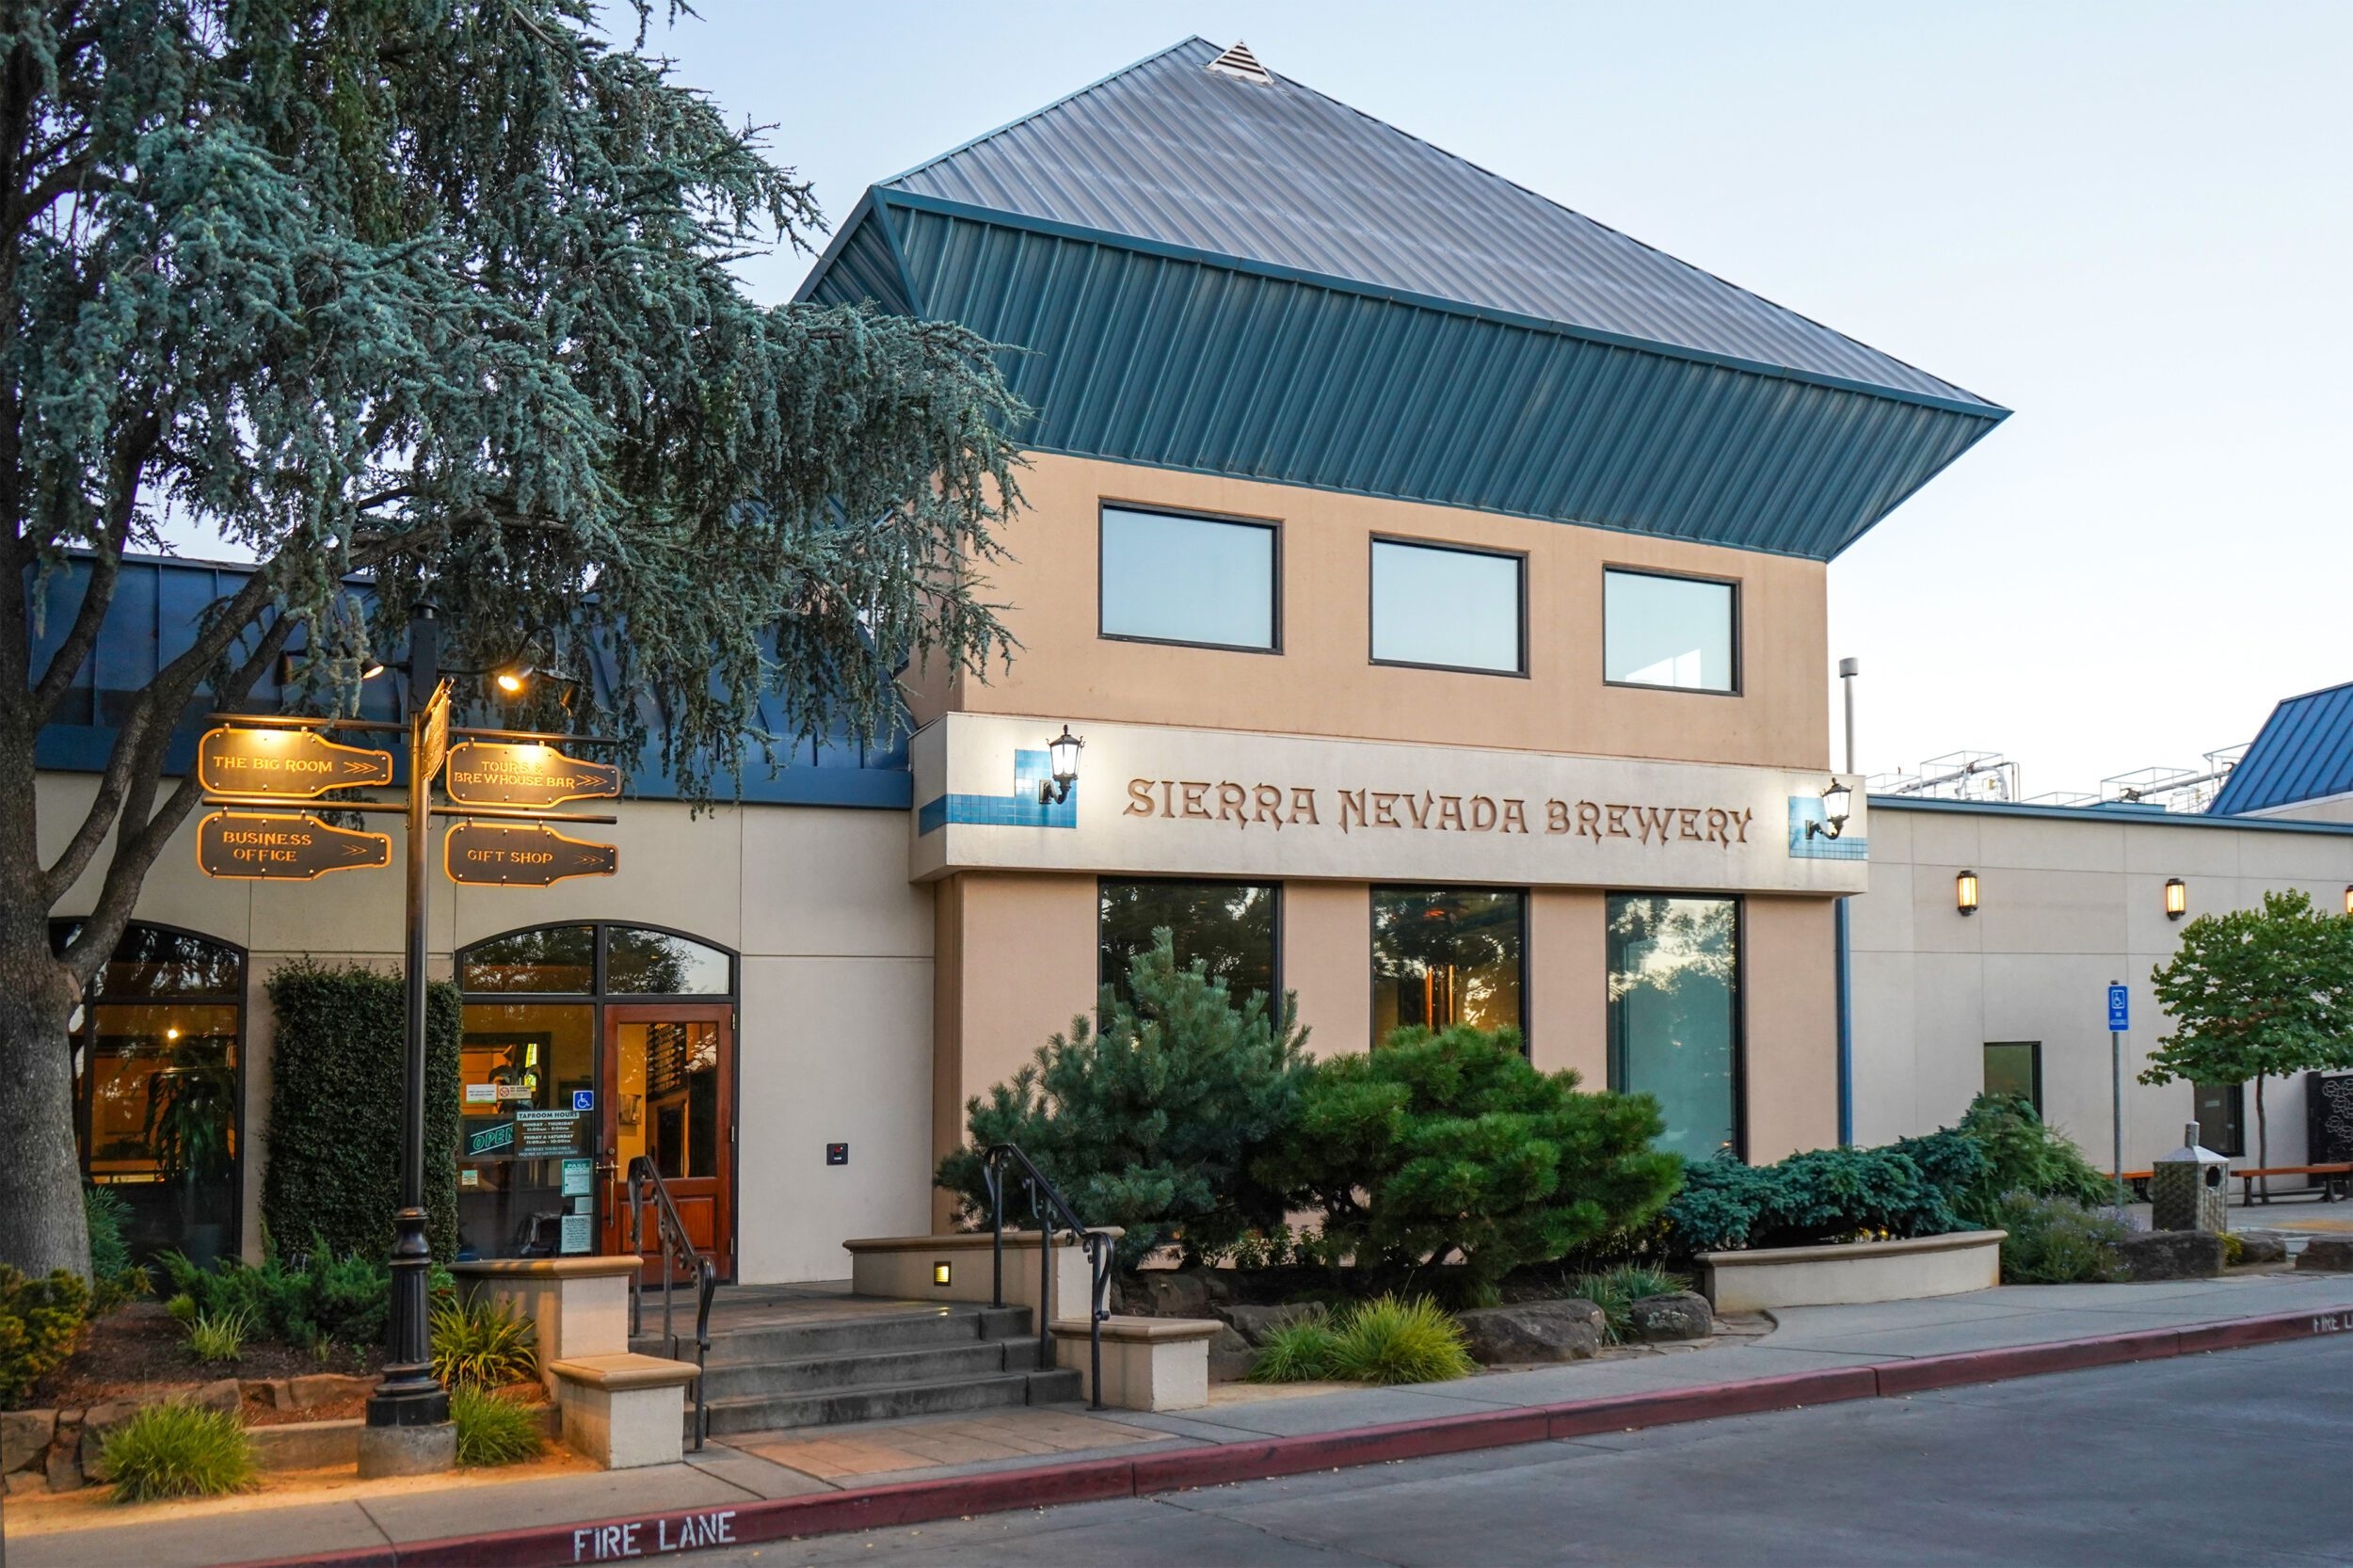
x=522 y=854
x=496 y=773
x=292 y=764
x=2120 y=1022
x=249 y=847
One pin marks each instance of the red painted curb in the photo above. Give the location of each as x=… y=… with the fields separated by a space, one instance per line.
x=1092 y=1480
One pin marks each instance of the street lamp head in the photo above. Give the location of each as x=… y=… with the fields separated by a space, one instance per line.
x=513 y=679
x=1837 y=801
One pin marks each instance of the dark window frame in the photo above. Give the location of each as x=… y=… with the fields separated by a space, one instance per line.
x=1274 y=998
x=1372 y=933
x=1740 y=664
x=2034 y=1056
x=1272 y=527
x=1611 y=1056
x=1372 y=627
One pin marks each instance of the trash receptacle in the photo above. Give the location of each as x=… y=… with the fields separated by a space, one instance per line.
x=2187 y=1188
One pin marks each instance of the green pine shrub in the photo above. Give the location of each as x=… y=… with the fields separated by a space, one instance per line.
x=481 y=1344
x=1616 y=1290
x=1296 y=1352
x=318 y=1299
x=217 y=1339
x=1150 y=1120
x=1820 y=1195
x=334 y=1109
x=1393 y=1340
x=114 y=1278
x=2052 y=1239
x=1446 y=1144
x=182 y=1310
x=179 y=1450
x=40 y=1324
x=493 y=1431
x=2020 y=1153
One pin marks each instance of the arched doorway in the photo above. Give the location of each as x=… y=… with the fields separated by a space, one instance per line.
x=158 y=1048
x=587 y=1045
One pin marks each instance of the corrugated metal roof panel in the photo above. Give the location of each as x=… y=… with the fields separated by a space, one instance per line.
x=1181 y=363
x=1170 y=153
x=2304 y=752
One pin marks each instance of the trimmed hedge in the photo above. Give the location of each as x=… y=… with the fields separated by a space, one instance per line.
x=334 y=1109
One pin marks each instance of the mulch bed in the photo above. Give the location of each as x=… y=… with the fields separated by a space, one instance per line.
x=138 y=1349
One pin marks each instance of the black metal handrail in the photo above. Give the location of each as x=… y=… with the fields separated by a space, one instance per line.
x=644 y=1183
x=1051 y=1211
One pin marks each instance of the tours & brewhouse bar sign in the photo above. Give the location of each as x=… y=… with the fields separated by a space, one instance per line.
x=295 y=764
x=522 y=854
x=499 y=772
x=251 y=847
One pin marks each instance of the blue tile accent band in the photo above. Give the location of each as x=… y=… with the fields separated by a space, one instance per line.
x=1814 y=846
x=1021 y=809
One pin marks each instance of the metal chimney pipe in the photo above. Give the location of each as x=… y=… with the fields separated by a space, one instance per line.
x=1847 y=670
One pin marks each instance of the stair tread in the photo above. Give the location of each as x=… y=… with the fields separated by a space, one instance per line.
x=851 y=1390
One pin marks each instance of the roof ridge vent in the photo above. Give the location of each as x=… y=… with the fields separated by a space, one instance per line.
x=1239 y=61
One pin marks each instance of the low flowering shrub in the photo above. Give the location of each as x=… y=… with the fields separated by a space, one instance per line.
x=2056 y=1241
x=40 y=1323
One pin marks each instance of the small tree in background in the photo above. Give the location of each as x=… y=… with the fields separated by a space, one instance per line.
x=1151 y=1120
x=2257 y=993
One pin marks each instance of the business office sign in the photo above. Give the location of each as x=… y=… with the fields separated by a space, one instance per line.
x=1163 y=801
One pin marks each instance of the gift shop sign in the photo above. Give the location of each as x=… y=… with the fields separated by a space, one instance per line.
x=1163 y=801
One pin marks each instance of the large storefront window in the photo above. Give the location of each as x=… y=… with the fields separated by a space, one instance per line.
x=1675 y=1011
x=565 y=1077
x=156 y=1088
x=1444 y=956
x=1228 y=926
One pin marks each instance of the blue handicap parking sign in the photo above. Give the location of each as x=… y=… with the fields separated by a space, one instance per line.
x=583 y=1099
x=2120 y=1008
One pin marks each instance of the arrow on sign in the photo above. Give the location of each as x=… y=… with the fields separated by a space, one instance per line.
x=503 y=855
x=297 y=764
x=245 y=846
x=492 y=772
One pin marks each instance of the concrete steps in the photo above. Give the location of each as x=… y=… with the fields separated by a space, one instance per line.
x=872 y=1362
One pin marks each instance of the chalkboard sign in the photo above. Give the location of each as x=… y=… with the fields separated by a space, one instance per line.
x=2328 y=1118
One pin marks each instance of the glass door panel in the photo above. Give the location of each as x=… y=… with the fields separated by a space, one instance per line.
x=670 y=1080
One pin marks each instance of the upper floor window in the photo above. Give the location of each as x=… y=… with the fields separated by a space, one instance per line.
x=1168 y=579
x=1455 y=609
x=1676 y=632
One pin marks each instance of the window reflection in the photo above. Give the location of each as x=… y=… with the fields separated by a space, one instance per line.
x=1667 y=631
x=1453 y=608
x=1188 y=580
x=1444 y=956
x=655 y=963
x=553 y=958
x=1228 y=926
x=1673 y=1027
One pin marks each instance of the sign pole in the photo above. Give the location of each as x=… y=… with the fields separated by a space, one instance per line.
x=410 y=1395
x=2120 y=1019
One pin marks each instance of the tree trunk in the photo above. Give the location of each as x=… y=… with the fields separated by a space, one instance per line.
x=42 y=1224
x=2262 y=1140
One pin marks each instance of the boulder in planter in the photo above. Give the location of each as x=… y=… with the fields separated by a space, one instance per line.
x=25 y=1436
x=2331 y=1255
x=2151 y=1255
x=1680 y=1314
x=1255 y=1322
x=1568 y=1329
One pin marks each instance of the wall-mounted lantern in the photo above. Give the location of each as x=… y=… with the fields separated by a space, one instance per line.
x=1965 y=892
x=2176 y=898
x=2348 y=900
x=1836 y=801
x=941 y=1273
x=1063 y=754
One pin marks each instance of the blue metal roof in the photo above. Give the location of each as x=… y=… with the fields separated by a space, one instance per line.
x=1248 y=278
x=152 y=618
x=2303 y=752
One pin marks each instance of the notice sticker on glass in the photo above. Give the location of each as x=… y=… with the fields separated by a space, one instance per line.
x=470 y=1177
x=573 y=1236
x=576 y=1178
x=583 y=1204
x=482 y=1093
x=545 y=1134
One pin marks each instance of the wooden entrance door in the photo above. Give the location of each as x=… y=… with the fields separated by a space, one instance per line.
x=669 y=1094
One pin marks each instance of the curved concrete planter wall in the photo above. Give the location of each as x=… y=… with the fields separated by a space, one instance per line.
x=1761 y=1278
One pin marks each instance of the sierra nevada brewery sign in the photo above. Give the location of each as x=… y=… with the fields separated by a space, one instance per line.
x=295 y=764
x=504 y=854
x=490 y=773
x=249 y=847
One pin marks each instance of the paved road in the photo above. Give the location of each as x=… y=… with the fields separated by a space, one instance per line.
x=2243 y=1457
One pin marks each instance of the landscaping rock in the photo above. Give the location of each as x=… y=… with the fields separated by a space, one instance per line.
x=1254 y=1322
x=1569 y=1329
x=225 y=1395
x=1230 y=1356
x=97 y=1422
x=2330 y=1254
x=2260 y=1246
x=25 y=1436
x=317 y=1389
x=1168 y=1294
x=1683 y=1314
x=27 y=1481
x=63 y=1471
x=2154 y=1255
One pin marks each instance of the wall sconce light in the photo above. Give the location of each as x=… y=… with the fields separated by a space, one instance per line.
x=940 y=1274
x=2348 y=900
x=1064 y=751
x=2176 y=898
x=1965 y=892
x=1836 y=801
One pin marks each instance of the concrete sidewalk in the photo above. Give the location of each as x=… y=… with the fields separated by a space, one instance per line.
x=762 y=1486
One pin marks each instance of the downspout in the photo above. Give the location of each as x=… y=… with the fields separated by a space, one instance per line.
x=1846 y=1030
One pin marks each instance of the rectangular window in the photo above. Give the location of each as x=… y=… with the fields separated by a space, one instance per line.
x=1676 y=632
x=2222 y=1111
x=1228 y=926
x=1442 y=956
x=1675 y=1015
x=1170 y=579
x=2014 y=1067
x=1455 y=609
